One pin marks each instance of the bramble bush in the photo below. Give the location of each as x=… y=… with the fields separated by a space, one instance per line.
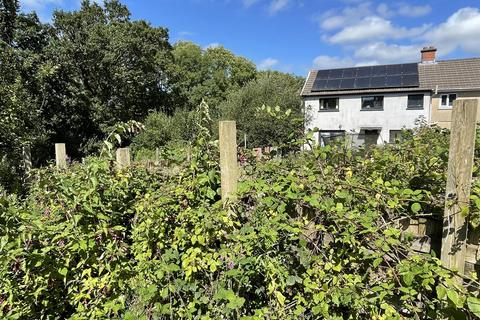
x=312 y=235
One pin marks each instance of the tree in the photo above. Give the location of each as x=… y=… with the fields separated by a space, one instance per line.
x=102 y=68
x=209 y=74
x=8 y=13
x=20 y=121
x=268 y=126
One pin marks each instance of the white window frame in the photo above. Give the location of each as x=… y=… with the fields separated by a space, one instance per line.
x=447 y=106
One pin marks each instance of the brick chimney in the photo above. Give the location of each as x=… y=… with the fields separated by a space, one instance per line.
x=429 y=54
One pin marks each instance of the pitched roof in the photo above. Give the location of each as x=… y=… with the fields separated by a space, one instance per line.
x=461 y=74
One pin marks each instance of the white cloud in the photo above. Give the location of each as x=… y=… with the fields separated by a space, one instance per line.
x=185 y=33
x=328 y=62
x=374 y=28
x=408 y=10
x=268 y=63
x=38 y=4
x=460 y=31
x=334 y=19
x=384 y=10
x=248 y=3
x=212 y=45
x=382 y=53
x=277 y=5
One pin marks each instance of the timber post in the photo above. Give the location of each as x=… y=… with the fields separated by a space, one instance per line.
x=27 y=158
x=123 y=158
x=459 y=179
x=60 y=155
x=228 y=158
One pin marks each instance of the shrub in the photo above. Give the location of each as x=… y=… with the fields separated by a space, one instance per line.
x=162 y=130
x=314 y=235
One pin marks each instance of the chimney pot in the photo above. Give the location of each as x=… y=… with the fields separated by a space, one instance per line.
x=429 y=54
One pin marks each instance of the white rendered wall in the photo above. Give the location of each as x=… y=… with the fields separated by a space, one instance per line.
x=350 y=117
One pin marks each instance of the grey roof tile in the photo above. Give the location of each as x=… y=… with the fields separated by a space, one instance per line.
x=461 y=74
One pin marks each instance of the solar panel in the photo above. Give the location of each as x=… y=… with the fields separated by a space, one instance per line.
x=364 y=71
x=394 y=69
x=333 y=84
x=410 y=80
x=349 y=73
x=370 y=77
x=394 y=81
x=379 y=71
x=336 y=74
x=377 y=82
x=362 y=83
x=319 y=85
x=348 y=83
x=323 y=74
x=410 y=68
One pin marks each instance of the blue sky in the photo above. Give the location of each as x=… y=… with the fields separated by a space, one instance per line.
x=296 y=35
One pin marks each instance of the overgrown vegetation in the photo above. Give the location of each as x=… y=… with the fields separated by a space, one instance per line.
x=72 y=80
x=313 y=235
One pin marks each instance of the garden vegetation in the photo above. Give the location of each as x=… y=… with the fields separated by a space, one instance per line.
x=313 y=235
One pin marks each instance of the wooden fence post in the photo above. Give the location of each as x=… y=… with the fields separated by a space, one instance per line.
x=459 y=178
x=27 y=158
x=157 y=156
x=60 y=155
x=123 y=158
x=228 y=158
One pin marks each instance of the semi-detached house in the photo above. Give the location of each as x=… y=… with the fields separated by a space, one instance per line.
x=372 y=104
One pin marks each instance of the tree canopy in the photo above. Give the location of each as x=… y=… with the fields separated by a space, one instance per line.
x=72 y=79
x=273 y=124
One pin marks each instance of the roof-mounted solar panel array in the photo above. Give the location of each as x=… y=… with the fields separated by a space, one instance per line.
x=374 y=77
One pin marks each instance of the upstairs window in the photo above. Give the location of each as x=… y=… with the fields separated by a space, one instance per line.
x=447 y=100
x=372 y=103
x=415 y=101
x=328 y=104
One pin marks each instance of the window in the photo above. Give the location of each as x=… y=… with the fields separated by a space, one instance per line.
x=415 y=101
x=447 y=100
x=329 y=137
x=328 y=104
x=395 y=135
x=372 y=103
x=371 y=137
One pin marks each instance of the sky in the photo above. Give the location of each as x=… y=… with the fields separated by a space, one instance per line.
x=297 y=35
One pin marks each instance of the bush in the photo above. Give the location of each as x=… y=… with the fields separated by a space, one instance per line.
x=314 y=235
x=276 y=92
x=161 y=130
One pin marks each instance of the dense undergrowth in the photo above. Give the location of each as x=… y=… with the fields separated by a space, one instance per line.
x=314 y=235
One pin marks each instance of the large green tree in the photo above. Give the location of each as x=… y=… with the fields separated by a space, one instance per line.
x=208 y=74
x=102 y=68
x=273 y=124
x=8 y=13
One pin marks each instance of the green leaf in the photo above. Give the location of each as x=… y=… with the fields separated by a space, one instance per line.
x=454 y=297
x=474 y=305
x=63 y=271
x=416 y=207
x=280 y=297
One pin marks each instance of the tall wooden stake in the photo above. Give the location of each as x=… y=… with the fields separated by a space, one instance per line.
x=228 y=158
x=60 y=155
x=123 y=158
x=27 y=158
x=460 y=164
